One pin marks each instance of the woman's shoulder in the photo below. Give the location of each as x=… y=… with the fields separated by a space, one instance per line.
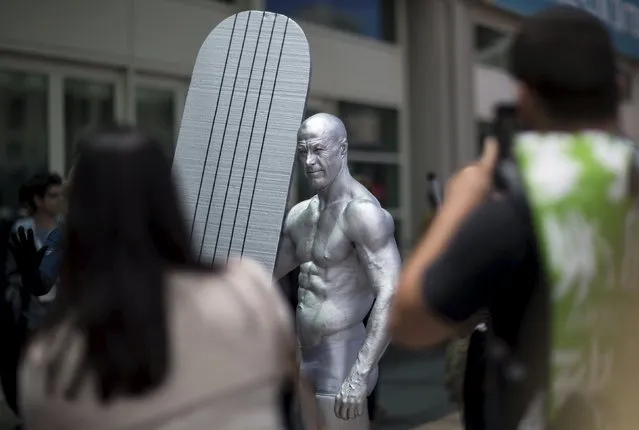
x=58 y=348
x=242 y=273
x=45 y=344
x=240 y=288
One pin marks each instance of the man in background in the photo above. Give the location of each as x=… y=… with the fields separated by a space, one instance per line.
x=23 y=307
x=43 y=194
x=46 y=202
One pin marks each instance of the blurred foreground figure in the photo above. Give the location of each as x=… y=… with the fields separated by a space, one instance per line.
x=141 y=336
x=546 y=256
x=343 y=242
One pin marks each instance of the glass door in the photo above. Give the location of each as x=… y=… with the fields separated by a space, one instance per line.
x=88 y=103
x=24 y=136
x=159 y=105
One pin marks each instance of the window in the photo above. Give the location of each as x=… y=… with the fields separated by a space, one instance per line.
x=491 y=46
x=23 y=132
x=382 y=180
x=86 y=104
x=626 y=77
x=370 y=128
x=373 y=136
x=155 y=114
x=372 y=18
x=485 y=37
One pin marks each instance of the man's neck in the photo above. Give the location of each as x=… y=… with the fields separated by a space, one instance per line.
x=43 y=221
x=336 y=190
x=607 y=126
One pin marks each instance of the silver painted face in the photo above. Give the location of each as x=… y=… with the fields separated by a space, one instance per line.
x=321 y=146
x=321 y=160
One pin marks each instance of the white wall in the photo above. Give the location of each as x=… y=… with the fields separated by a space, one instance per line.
x=493 y=86
x=355 y=68
x=163 y=36
x=630 y=112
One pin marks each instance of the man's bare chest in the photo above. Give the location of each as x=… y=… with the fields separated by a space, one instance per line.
x=321 y=238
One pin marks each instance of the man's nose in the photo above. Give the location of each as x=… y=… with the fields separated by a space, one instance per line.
x=310 y=159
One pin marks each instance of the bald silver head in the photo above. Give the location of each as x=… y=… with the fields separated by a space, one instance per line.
x=322 y=146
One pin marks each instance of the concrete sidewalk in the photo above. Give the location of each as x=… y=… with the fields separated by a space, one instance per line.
x=412 y=391
x=451 y=422
x=8 y=421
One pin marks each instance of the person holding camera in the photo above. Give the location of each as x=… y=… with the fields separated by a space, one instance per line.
x=485 y=251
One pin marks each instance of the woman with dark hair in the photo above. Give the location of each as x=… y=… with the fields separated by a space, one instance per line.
x=141 y=335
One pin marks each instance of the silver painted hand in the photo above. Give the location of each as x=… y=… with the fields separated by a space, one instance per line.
x=349 y=402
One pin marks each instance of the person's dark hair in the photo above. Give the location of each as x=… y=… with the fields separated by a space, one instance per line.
x=124 y=232
x=38 y=185
x=566 y=57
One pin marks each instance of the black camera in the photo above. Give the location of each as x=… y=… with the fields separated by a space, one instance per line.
x=505 y=127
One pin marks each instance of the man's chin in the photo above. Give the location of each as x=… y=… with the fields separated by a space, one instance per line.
x=317 y=185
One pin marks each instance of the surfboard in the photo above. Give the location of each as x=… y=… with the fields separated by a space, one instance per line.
x=236 y=145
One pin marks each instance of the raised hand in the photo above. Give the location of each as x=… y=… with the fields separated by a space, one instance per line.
x=26 y=255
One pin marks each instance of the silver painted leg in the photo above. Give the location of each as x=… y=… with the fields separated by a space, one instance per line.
x=326 y=366
x=326 y=405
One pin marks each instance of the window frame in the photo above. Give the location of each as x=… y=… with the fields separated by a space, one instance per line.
x=179 y=88
x=396 y=39
x=6 y=204
x=56 y=72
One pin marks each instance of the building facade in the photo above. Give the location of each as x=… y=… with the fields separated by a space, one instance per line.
x=414 y=81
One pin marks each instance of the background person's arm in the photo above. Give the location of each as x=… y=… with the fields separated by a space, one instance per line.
x=28 y=259
x=413 y=323
x=50 y=265
x=462 y=266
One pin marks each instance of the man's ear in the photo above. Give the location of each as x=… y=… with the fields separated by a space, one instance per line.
x=523 y=93
x=343 y=148
x=528 y=103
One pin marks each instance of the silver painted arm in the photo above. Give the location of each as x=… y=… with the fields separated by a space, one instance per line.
x=371 y=228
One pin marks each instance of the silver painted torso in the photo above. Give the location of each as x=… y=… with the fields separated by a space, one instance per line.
x=334 y=294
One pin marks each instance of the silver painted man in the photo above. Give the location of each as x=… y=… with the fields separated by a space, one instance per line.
x=344 y=243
